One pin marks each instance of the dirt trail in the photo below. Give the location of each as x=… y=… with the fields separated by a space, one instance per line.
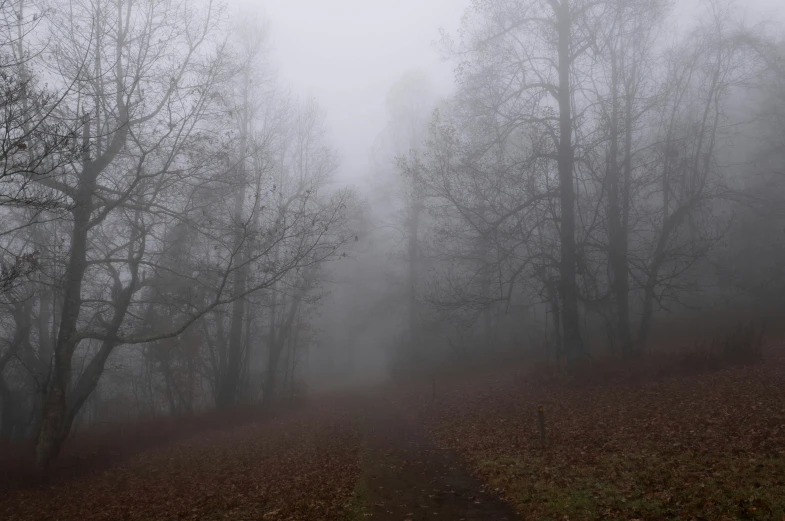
x=408 y=478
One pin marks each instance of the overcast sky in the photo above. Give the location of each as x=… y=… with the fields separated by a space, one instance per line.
x=348 y=53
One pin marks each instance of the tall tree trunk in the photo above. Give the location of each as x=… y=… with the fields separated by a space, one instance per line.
x=278 y=341
x=622 y=280
x=648 y=310
x=271 y=382
x=55 y=418
x=92 y=373
x=8 y=408
x=59 y=409
x=228 y=393
x=414 y=254
x=168 y=382
x=553 y=298
x=573 y=342
x=45 y=334
x=22 y=315
x=617 y=232
x=230 y=384
x=54 y=409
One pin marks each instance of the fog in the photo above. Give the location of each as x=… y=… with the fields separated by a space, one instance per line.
x=347 y=54
x=212 y=206
x=319 y=54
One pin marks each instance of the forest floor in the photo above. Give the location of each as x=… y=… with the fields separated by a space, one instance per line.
x=625 y=444
x=302 y=465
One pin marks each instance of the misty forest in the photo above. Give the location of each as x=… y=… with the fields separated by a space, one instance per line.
x=541 y=278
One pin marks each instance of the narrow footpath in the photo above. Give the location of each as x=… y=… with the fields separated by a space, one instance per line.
x=406 y=477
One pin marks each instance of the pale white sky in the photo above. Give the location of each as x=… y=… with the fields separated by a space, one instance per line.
x=348 y=53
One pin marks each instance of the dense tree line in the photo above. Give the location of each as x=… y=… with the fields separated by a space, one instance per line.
x=602 y=163
x=167 y=212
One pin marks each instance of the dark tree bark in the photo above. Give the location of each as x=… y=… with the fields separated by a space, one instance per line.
x=573 y=342
x=230 y=385
x=618 y=177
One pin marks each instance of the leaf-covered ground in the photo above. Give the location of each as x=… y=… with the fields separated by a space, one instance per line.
x=302 y=466
x=705 y=446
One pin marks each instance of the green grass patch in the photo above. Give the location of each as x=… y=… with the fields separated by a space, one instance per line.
x=641 y=484
x=357 y=507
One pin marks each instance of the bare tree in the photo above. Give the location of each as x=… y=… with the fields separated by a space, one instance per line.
x=627 y=91
x=526 y=68
x=688 y=177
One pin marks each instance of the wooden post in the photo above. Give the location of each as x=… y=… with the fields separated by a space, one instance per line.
x=541 y=420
